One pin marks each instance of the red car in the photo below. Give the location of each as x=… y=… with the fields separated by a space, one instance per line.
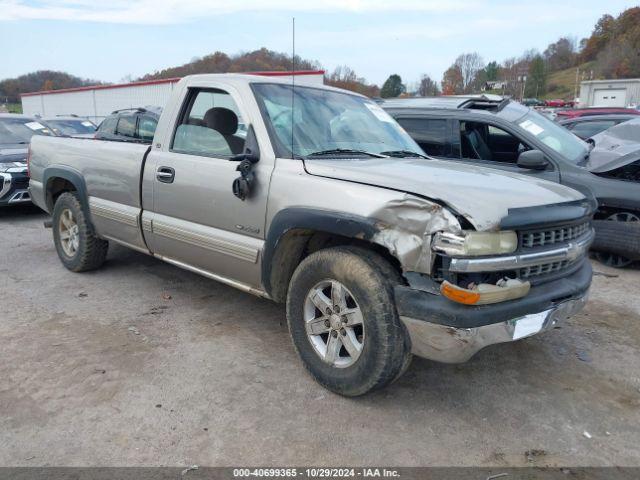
x=555 y=103
x=583 y=112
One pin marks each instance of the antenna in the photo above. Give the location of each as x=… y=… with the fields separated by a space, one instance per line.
x=293 y=77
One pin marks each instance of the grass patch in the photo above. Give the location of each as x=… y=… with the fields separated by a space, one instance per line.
x=562 y=84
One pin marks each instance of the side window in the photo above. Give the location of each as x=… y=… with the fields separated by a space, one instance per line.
x=480 y=141
x=146 y=128
x=108 y=125
x=589 y=129
x=210 y=125
x=430 y=134
x=126 y=126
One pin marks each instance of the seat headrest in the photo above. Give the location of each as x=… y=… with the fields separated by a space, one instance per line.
x=221 y=119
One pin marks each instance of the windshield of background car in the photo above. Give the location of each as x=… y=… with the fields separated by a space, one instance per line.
x=325 y=120
x=554 y=136
x=71 y=127
x=20 y=130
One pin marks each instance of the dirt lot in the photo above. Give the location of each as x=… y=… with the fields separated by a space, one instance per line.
x=141 y=363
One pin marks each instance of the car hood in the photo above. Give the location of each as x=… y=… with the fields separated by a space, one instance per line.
x=616 y=147
x=482 y=195
x=13 y=157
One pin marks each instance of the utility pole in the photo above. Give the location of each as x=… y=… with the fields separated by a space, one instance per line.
x=575 y=90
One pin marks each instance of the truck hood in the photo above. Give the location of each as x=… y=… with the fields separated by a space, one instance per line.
x=482 y=195
x=615 y=147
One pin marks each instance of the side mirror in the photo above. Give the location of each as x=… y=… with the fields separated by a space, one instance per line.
x=243 y=185
x=533 y=160
x=251 y=149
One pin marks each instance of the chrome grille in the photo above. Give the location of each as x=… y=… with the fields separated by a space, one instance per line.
x=543 y=269
x=550 y=236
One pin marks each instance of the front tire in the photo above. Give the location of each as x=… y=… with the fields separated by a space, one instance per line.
x=78 y=248
x=343 y=321
x=617 y=243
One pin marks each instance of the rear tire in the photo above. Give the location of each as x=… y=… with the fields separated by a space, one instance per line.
x=77 y=246
x=370 y=348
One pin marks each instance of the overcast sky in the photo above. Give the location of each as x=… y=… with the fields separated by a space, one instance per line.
x=111 y=39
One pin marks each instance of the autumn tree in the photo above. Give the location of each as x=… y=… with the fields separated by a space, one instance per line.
x=602 y=34
x=561 y=54
x=452 y=82
x=620 y=58
x=392 y=87
x=345 y=77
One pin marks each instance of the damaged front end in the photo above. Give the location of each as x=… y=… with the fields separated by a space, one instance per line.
x=462 y=279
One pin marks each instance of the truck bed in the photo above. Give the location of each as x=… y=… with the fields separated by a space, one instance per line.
x=110 y=171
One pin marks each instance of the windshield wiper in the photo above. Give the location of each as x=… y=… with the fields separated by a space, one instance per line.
x=403 y=154
x=339 y=151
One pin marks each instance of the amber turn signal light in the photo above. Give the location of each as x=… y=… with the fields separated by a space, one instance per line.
x=459 y=295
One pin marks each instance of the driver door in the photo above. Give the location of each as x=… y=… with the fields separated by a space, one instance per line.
x=196 y=220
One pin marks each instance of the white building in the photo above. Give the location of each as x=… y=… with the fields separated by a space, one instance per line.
x=96 y=102
x=610 y=93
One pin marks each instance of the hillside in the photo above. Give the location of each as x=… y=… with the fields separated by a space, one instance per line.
x=11 y=88
x=259 y=60
x=561 y=84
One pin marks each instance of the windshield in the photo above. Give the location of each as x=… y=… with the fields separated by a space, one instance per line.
x=554 y=136
x=71 y=127
x=20 y=130
x=326 y=121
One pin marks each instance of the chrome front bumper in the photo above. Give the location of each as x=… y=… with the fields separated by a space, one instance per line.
x=457 y=345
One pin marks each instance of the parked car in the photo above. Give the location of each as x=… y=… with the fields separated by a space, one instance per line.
x=508 y=136
x=532 y=102
x=588 y=126
x=378 y=253
x=70 y=126
x=136 y=125
x=555 y=103
x=590 y=112
x=15 y=134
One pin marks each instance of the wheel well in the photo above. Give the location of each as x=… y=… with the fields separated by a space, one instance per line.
x=297 y=244
x=57 y=186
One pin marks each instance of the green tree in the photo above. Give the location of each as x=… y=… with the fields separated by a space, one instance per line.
x=536 y=78
x=392 y=87
x=491 y=70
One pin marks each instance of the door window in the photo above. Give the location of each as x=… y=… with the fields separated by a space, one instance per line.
x=210 y=125
x=146 y=128
x=430 y=133
x=127 y=126
x=589 y=129
x=480 y=141
x=108 y=125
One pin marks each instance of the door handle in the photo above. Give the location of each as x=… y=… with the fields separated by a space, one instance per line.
x=165 y=174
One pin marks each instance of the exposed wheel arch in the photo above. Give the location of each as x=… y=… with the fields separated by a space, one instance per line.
x=297 y=232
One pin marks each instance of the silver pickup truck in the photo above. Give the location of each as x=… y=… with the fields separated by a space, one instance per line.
x=315 y=197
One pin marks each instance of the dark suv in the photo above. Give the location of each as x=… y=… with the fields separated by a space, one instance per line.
x=15 y=134
x=130 y=125
x=491 y=131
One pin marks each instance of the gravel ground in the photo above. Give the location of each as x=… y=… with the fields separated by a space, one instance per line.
x=141 y=363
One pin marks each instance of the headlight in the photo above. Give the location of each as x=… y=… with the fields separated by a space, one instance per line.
x=470 y=243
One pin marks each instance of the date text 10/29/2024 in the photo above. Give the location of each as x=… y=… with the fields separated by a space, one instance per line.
x=315 y=473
